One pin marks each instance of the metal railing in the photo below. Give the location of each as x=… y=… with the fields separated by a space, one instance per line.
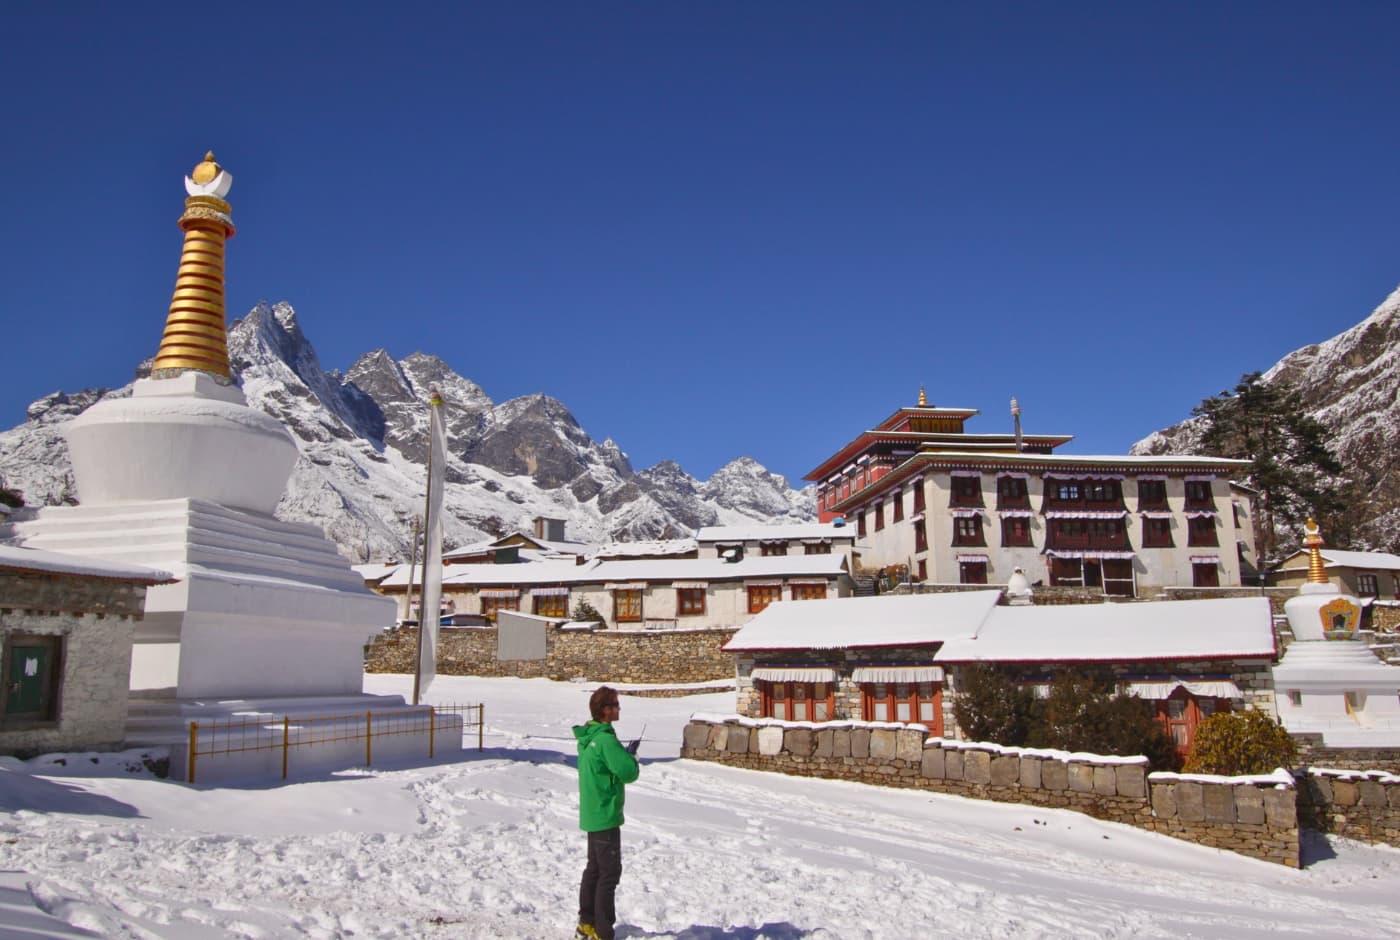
x=248 y=735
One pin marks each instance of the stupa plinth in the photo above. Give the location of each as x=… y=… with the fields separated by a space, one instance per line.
x=184 y=476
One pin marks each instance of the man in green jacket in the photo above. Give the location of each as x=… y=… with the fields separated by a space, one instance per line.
x=604 y=768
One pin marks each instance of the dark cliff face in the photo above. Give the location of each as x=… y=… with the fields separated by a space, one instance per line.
x=1350 y=383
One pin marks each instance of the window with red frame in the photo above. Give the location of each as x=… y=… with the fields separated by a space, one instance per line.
x=768 y=549
x=879 y=515
x=1012 y=493
x=808 y=592
x=923 y=569
x=1152 y=494
x=967 y=491
x=1368 y=585
x=817 y=548
x=627 y=606
x=1182 y=714
x=551 y=605
x=1157 y=533
x=918 y=496
x=1205 y=574
x=1198 y=495
x=972 y=572
x=967 y=530
x=1016 y=531
x=761 y=595
x=920 y=536
x=1200 y=530
x=797 y=701
x=897 y=506
x=489 y=605
x=860 y=524
x=690 y=602
x=920 y=702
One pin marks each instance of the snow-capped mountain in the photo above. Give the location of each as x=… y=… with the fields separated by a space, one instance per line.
x=363 y=438
x=1350 y=383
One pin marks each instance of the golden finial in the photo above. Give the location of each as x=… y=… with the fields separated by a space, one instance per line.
x=923 y=398
x=1312 y=541
x=206 y=171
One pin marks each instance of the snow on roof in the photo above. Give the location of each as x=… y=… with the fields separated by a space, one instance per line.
x=1163 y=461
x=13 y=558
x=374 y=571
x=555 y=571
x=1341 y=664
x=759 y=532
x=1223 y=628
x=852 y=622
x=646 y=547
x=1374 y=560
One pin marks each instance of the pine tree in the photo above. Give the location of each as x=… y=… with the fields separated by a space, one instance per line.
x=1294 y=471
x=585 y=612
x=992 y=706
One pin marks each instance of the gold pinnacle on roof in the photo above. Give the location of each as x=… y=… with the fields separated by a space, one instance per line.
x=195 y=337
x=923 y=398
x=1312 y=541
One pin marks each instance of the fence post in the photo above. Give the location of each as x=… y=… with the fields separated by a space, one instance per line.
x=480 y=724
x=432 y=730
x=286 y=733
x=369 y=734
x=194 y=741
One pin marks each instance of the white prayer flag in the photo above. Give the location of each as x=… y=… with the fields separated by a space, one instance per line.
x=429 y=617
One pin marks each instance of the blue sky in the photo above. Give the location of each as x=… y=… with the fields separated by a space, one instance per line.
x=716 y=229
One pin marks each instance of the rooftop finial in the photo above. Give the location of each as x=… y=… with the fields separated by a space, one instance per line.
x=923 y=398
x=1312 y=541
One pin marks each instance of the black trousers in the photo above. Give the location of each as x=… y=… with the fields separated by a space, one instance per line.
x=599 y=884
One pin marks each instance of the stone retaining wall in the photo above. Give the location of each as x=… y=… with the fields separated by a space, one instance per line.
x=655 y=656
x=1358 y=805
x=1313 y=753
x=1253 y=816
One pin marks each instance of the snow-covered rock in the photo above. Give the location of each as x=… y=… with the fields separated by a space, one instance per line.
x=362 y=440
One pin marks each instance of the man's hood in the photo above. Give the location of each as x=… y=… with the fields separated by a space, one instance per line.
x=586 y=733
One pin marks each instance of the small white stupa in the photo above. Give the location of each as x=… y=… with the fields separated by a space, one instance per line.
x=1328 y=682
x=184 y=476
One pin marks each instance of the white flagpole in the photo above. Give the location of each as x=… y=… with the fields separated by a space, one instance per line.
x=431 y=596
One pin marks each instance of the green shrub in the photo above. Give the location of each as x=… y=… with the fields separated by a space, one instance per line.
x=1234 y=743
x=1087 y=713
x=992 y=706
x=586 y=612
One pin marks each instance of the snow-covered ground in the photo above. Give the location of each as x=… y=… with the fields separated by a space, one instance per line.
x=487 y=845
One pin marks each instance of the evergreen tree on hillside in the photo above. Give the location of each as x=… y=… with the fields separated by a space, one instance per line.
x=1294 y=472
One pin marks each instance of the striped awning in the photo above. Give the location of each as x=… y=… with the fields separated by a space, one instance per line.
x=897 y=674
x=690 y=585
x=549 y=592
x=1205 y=559
x=749 y=584
x=625 y=586
x=794 y=674
x=1200 y=513
x=1086 y=553
x=500 y=592
x=1155 y=514
x=965 y=513
x=1013 y=475
x=1086 y=513
x=1015 y=513
x=1163 y=688
x=972 y=556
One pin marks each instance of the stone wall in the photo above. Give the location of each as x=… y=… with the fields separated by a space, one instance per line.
x=1360 y=805
x=95 y=620
x=654 y=656
x=1313 y=753
x=1253 y=816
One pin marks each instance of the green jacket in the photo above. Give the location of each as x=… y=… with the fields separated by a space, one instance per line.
x=604 y=766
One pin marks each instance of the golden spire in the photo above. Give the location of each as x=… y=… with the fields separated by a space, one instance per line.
x=1312 y=541
x=923 y=398
x=195 y=337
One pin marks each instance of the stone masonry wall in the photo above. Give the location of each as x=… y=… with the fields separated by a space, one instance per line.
x=654 y=656
x=1245 y=815
x=1314 y=754
x=1363 y=805
x=93 y=691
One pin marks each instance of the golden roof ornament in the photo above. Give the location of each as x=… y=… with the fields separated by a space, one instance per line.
x=196 y=337
x=923 y=398
x=1312 y=541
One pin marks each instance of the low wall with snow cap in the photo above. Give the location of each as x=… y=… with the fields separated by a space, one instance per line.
x=1362 y=805
x=1255 y=816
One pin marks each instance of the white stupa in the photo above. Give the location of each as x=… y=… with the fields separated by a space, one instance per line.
x=1328 y=682
x=184 y=476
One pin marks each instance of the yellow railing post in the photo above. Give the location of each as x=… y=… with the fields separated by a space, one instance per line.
x=286 y=745
x=369 y=733
x=194 y=742
x=432 y=730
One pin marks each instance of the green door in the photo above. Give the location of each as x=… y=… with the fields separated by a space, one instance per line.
x=24 y=687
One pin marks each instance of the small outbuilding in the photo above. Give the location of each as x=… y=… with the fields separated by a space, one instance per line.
x=67 y=623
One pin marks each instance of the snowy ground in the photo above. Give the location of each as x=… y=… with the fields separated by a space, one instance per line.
x=488 y=846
